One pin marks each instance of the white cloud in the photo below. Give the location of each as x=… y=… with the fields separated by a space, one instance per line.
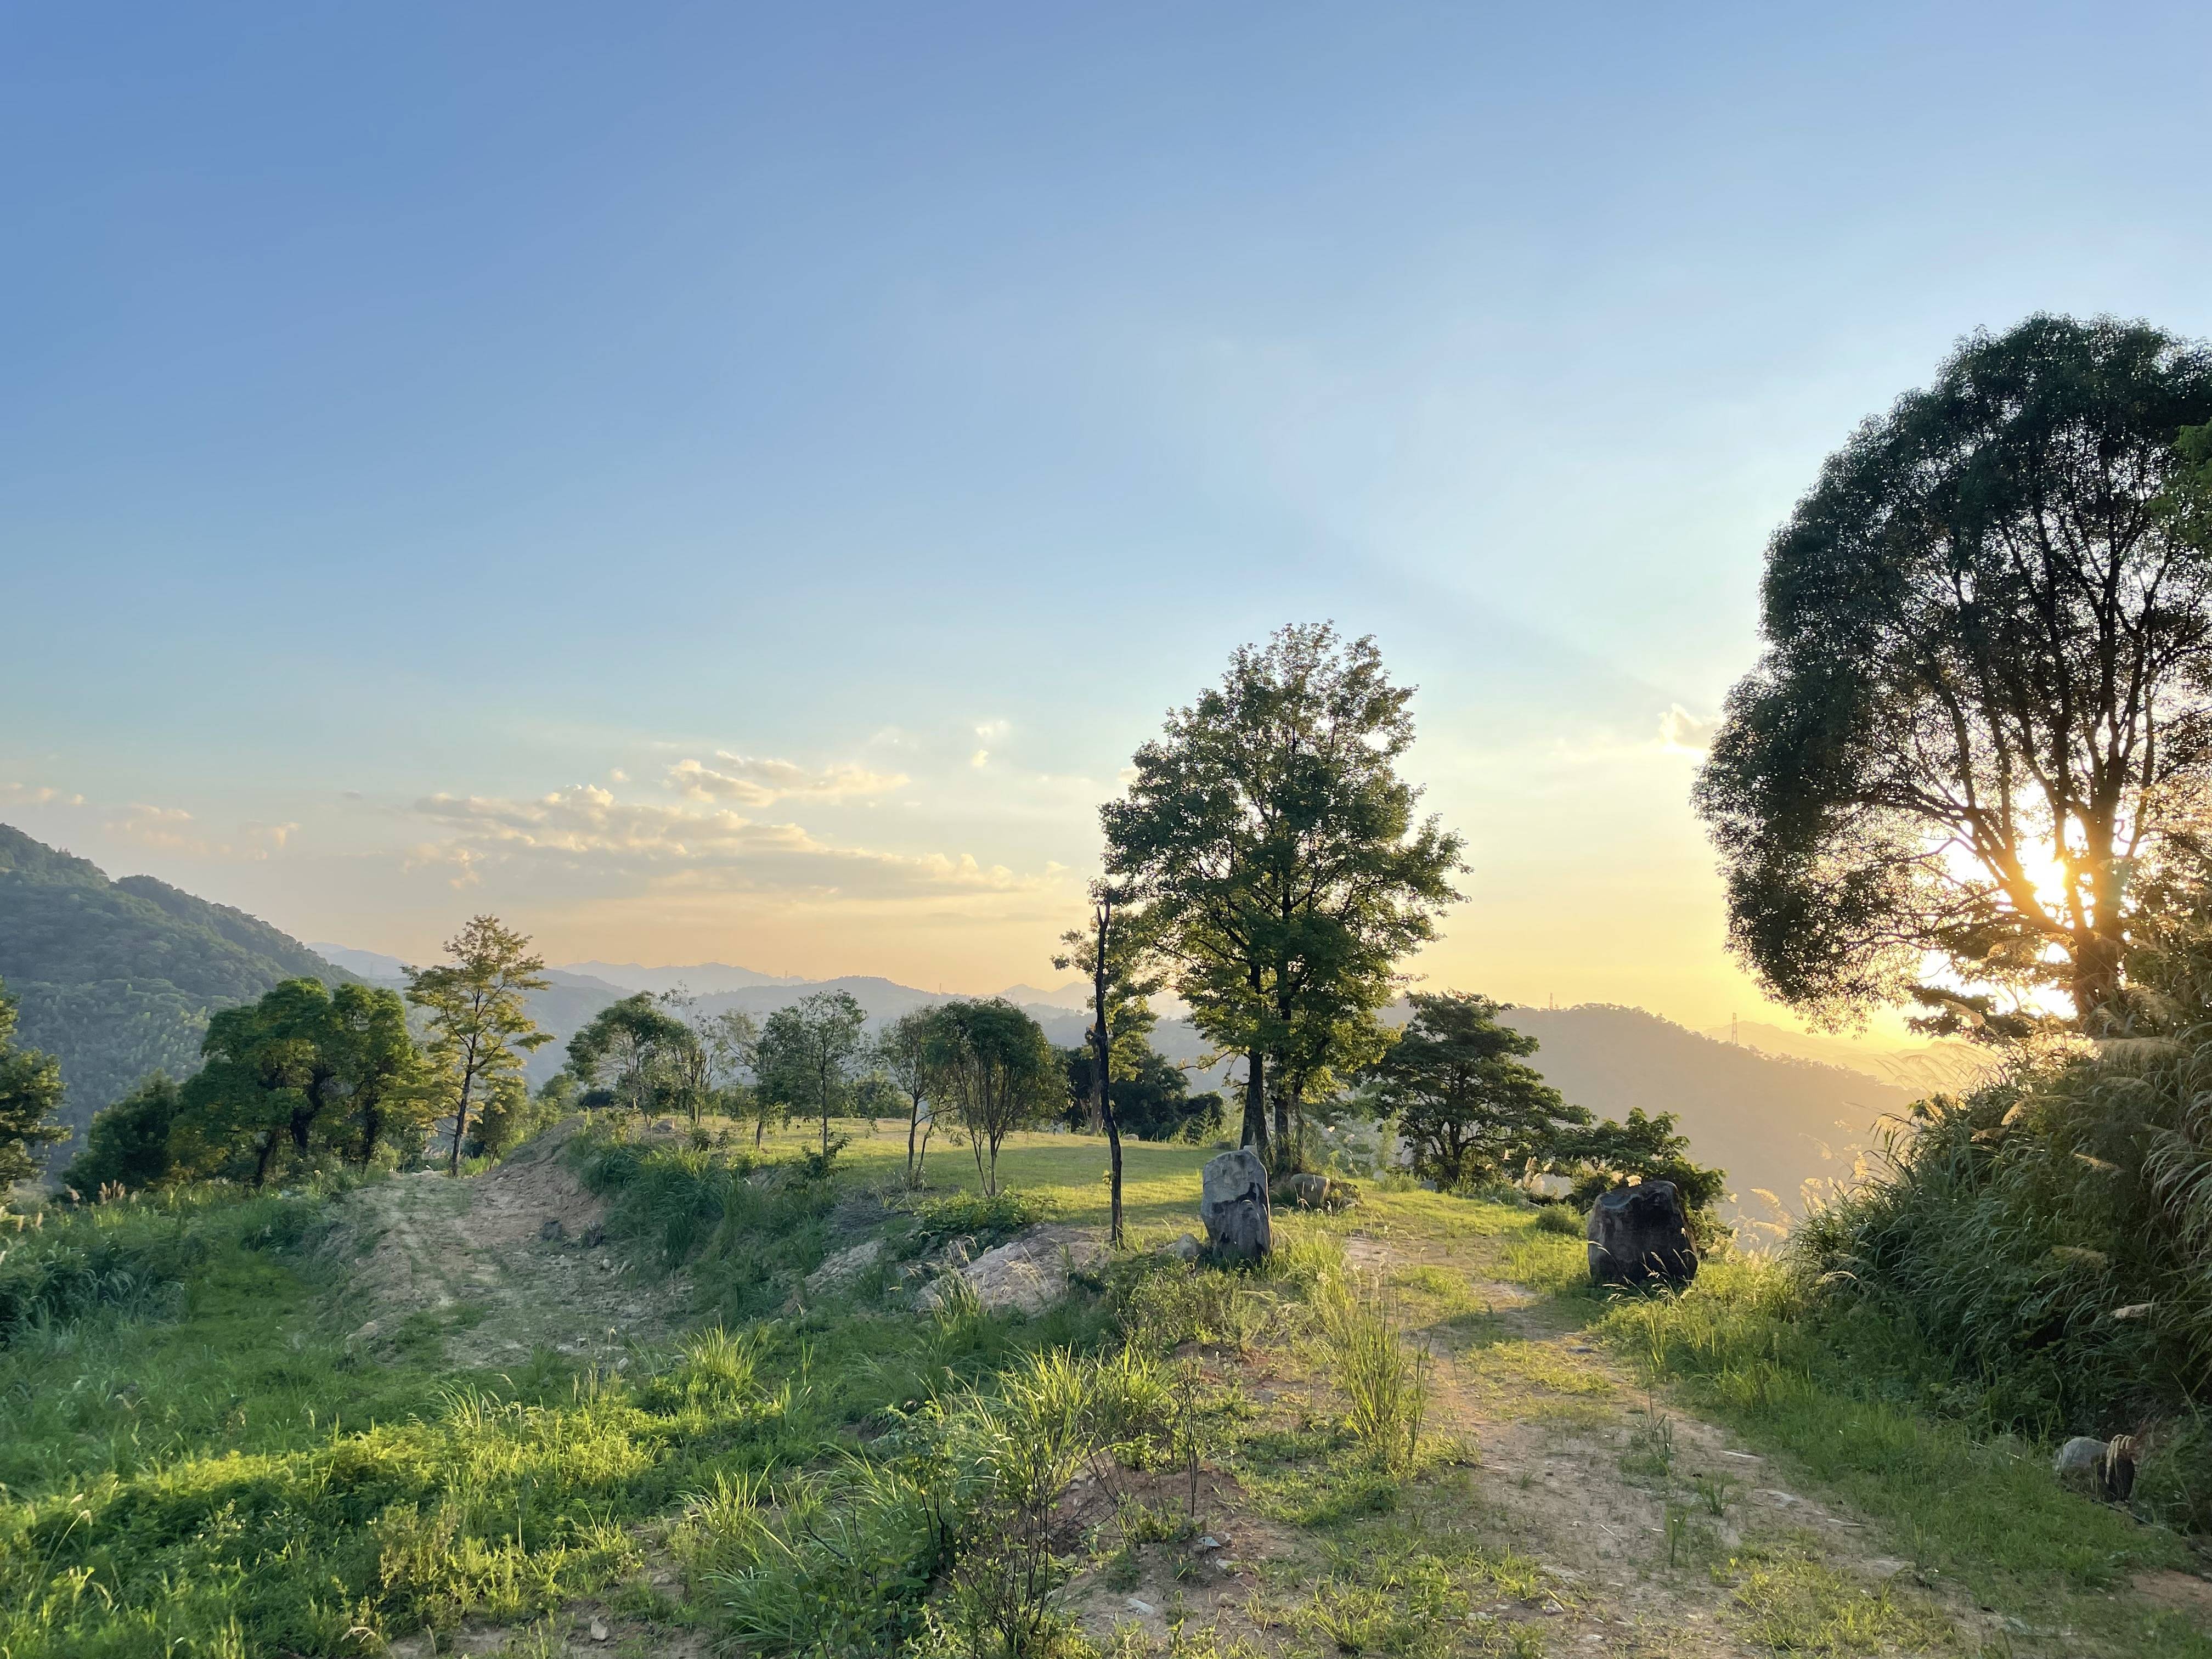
x=38 y=795
x=981 y=757
x=758 y=780
x=453 y=855
x=1682 y=732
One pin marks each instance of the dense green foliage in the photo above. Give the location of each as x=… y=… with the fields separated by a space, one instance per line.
x=128 y=1143
x=1603 y=1156
x=30 y=1095
x=2049 y=1238
x=301 y=1079
x=811 y=1056
x=634 y=1054
x=999 y=1074
x=116 y=978
x=1983 y=725
x=1152 y=1102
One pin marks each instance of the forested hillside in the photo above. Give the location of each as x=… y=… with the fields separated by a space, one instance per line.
x=116 y=978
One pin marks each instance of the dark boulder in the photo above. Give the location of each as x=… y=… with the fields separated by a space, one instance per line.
x=1640 y=1234
x=1233 y=1205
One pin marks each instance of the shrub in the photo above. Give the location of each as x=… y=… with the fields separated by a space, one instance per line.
x=990 y=1220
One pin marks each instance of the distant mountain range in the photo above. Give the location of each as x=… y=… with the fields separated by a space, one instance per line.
x=117 y=979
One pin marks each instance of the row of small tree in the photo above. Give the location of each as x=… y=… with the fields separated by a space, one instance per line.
x=309 y=1075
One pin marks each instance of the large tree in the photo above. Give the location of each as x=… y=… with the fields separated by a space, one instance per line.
x=1982 y=726
x=477 y=1018
x=302 y=1068
x=999 y=1073
x=636 y=1053
x=1468 y=1107
x=30 y=1094
x=1273 y=842
x=809 y=1057
x=384 y=1090
x=1116 y=953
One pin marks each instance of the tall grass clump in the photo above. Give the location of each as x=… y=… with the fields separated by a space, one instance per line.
x=1385 y=1381
x=966 y=1493
x=129 y=1257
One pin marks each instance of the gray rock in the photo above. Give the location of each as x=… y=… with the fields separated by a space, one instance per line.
x=2104 y=1469
x=846 y=1265
x=1233 y=1205
x=1027 y=1274
x=1307 y=1192
x=1639 y=1235
x=1186 y=1249
x=550 y=1233
x=2078 y=1459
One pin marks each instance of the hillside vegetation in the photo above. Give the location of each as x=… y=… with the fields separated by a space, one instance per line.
x=117 y=979
x=226 y=1430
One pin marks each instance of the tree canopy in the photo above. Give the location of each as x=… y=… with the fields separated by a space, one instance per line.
x=999 y=1073
x=30 y=1095
x=1469 y=1110
x=809 y=1057
x=1274 y=844
x=1981 y=731
x=635 y=1054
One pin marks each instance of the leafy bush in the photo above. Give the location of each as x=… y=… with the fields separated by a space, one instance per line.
x=989 y=1221
x=128 y=1258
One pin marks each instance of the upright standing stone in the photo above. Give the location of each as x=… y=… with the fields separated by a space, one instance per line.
x=1233 y=1205
x=1639 y=1234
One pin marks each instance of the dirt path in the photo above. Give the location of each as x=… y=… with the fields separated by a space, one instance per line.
x=469 y=1264
x=1633 y=1530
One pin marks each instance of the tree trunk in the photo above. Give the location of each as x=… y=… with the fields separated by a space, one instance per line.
x=913 y=1128
x=1256 y=1103
x=1114 y=1238
x=1287 y=1150
x=1101 y=1060
x=461 y=1119
x=2096 y=977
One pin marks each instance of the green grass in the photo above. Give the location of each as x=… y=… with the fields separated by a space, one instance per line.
x=226 y=1477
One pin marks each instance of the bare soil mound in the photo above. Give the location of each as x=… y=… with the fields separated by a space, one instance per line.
x=478 y=1263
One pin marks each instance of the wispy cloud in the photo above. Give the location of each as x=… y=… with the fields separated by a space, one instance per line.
x=29 y=794
x=171 y=828
x=586 y=827
x=760 y=780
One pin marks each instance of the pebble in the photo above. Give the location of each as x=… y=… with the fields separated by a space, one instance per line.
x=599 y=1630
x=1135 y=1606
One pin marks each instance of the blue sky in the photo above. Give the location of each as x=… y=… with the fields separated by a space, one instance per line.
x=412 y=417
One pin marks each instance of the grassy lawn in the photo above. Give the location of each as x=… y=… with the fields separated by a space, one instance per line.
x=1159 y=1183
